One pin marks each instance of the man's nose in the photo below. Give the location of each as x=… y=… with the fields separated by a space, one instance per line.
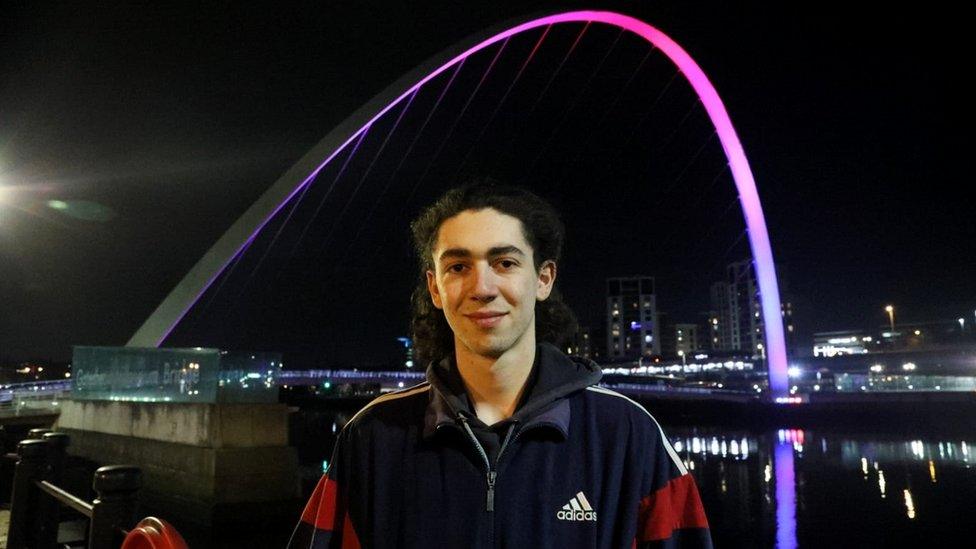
x=485 y=284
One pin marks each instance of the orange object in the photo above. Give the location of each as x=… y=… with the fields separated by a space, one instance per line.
x=154 y=533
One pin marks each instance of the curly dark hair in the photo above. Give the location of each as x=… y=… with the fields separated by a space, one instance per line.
x=543 y=230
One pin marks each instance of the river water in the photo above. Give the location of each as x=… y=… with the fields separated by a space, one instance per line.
x=803 y=488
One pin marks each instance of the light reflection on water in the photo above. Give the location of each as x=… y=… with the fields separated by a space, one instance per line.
x=785 y=495
x=795 y=487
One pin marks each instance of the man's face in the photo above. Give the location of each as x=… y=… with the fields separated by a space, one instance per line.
x=485 y=280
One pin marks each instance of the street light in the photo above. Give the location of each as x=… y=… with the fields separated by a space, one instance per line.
x=891 y=317
x=962 y=324
x=684 y=361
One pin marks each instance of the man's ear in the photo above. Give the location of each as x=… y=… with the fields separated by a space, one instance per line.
x=547 y=277
x=435 y=295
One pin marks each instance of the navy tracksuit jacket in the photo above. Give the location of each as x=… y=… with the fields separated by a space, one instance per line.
x=576 y=466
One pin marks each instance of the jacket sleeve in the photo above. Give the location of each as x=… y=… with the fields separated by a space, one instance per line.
x=325 y=522
x=671 y=514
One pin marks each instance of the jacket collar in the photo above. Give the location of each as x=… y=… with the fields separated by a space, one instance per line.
x=546 y=406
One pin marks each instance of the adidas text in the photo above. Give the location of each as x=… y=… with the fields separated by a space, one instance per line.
x=576 y=515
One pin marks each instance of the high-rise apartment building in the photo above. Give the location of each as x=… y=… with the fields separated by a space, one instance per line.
x=737 y=324
x=686 y=339
x=632 y=320
x=590 y=342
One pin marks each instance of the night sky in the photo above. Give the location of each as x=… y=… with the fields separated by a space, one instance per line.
x=132 y=138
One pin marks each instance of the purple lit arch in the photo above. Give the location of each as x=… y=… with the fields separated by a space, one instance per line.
x=158 y=326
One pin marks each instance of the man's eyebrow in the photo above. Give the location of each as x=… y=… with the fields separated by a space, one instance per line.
x=505 y=250
x=492 y=252
x=454 y=252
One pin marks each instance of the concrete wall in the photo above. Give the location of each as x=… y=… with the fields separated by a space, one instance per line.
x=196 y=458
x=213 y=425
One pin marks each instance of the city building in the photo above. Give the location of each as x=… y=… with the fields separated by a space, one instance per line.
x=726 y=335
x=687 y=340
x=632 y=319
x=848 y=342
x=590 y=343
x=678 y=339
x=709 y=330
x=925 y=334
x=667 y=341
x=907 y=336
x=737 y=321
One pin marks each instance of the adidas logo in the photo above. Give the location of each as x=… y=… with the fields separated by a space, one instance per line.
x=577 y=509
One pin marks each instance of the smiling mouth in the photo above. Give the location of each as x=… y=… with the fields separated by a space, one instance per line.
x=486 y=320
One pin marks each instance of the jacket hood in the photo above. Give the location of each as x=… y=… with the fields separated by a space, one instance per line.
x=556 y=377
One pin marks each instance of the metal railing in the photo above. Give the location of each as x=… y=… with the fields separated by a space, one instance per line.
x=36 y=498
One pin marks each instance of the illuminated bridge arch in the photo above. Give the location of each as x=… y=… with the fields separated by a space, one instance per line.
x=179 y=301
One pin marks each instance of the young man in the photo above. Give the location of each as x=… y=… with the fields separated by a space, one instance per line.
x=510 y=442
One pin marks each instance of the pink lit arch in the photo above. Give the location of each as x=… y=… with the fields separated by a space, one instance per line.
x=158 y=326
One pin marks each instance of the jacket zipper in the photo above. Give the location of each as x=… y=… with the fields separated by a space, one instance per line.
x=490 y=474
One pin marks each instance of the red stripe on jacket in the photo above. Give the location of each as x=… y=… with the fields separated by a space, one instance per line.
x=322 y=509
x=349 y=538
x=674 y=506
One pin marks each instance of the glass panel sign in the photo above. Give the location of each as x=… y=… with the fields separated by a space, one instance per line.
x=174 y=375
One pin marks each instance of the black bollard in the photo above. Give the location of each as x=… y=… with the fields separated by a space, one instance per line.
x=38 y=432
x=57 y=451
x=117 y=487
x=48 y=517
x=30 y=468
x=6 y=463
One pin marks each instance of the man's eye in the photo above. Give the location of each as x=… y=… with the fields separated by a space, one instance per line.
x=507 y=263
x=456 y=268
